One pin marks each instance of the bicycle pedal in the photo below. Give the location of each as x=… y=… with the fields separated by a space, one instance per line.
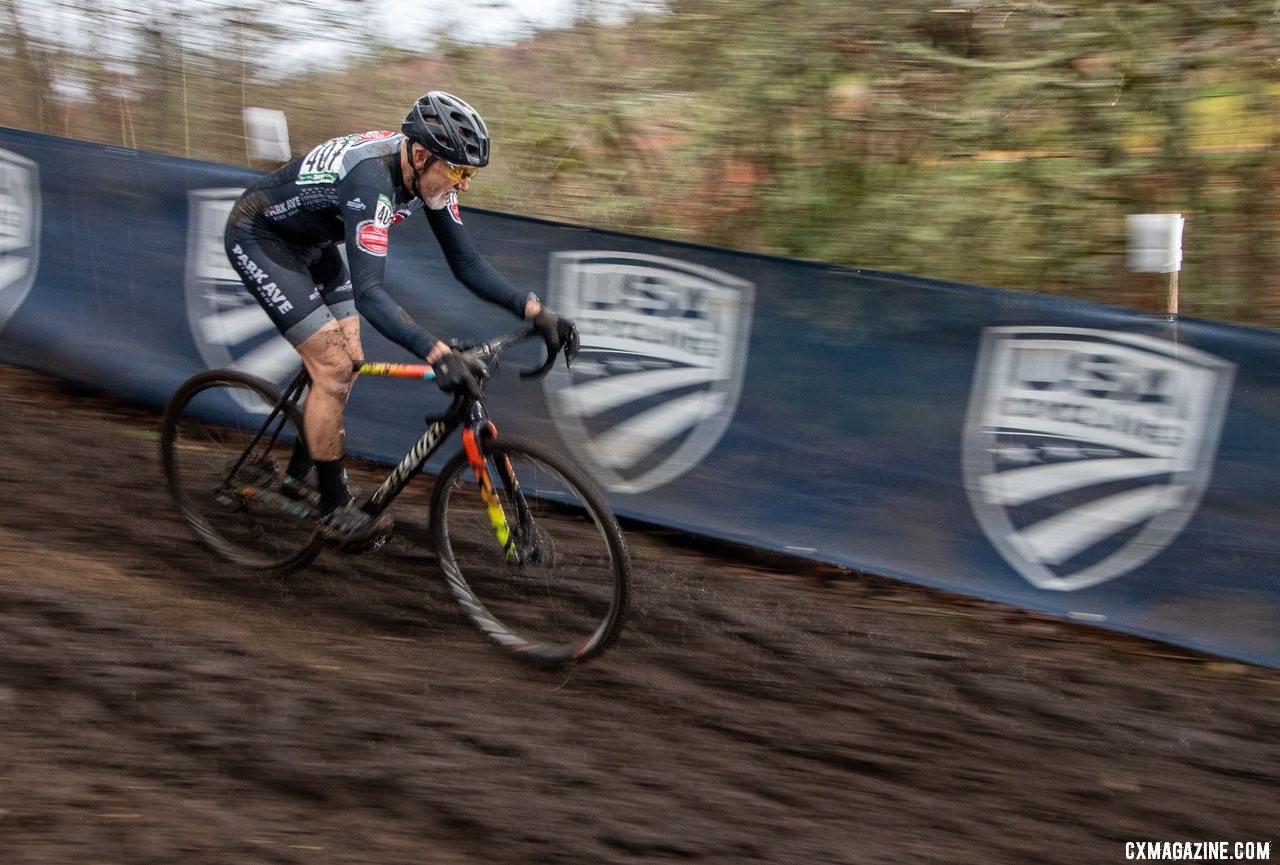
x=367 y=545
x=299 y=491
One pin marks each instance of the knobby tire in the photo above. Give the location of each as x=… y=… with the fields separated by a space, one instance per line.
x=556 y=593
x=208 y=427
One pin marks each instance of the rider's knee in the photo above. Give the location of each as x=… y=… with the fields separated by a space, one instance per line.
x=334 y=379
x=328 y=360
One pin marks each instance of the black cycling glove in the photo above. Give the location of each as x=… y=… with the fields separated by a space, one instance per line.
x=454 y=376
x=560 y=334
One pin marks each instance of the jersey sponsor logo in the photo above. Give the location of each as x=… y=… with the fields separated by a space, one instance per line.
x=356 y=204
x=284 y=209
x=1086 y=452
x=371 y=235
x=261 y=280
x=406 y=210
x=228 y=326
x=19 y=231
x=452 y=206
x=664 y=350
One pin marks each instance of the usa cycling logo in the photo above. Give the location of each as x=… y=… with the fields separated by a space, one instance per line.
x=1086 y=452
x=19 y=231
x=230 y=329
x=664 y=350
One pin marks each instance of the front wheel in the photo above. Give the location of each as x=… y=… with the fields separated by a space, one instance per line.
x=534 y=556
x=225 y=443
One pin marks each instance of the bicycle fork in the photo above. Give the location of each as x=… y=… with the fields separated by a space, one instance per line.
x=515 y=544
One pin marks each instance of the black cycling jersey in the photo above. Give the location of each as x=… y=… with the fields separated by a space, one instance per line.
x=351 y=190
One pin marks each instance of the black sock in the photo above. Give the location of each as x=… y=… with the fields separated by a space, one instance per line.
x=299 y=462
x=333 y=484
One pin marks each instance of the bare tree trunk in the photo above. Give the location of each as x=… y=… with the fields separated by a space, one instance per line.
x=35 y=78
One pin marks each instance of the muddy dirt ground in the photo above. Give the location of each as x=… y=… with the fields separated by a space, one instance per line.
x=157 y=706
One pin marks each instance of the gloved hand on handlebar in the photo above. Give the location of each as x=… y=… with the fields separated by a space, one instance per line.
x=560 y=334
x=454 y=375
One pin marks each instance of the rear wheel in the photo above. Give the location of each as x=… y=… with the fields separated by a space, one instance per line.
x=224 y=461
x=548 y=582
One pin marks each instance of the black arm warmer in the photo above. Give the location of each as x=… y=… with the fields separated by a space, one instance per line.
x=393 y=322
x=469 y=267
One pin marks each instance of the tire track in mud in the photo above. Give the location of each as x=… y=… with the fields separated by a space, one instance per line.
x=158 y=706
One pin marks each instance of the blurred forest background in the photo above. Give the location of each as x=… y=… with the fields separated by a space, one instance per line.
x=999 y=143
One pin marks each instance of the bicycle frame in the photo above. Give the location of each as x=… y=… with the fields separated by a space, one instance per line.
x=438 y=429
x=464 y=411
x=292 y=394
x=538 y=562
x=470 y=414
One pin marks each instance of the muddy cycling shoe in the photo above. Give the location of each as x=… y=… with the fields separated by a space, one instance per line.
x=351 y=530
x=299 y=491
x=307 y=491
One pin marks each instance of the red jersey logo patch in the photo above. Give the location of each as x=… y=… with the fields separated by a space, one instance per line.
x=372 y=237
x=453 y=208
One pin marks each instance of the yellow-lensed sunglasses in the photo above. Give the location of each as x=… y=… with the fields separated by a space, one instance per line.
x=459 y=173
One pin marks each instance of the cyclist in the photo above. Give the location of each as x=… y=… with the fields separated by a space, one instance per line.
x=281 y=238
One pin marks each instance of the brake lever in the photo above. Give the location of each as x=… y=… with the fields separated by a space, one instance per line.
x=487 y=352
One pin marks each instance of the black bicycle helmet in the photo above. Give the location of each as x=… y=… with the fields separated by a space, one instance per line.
x=449 y=128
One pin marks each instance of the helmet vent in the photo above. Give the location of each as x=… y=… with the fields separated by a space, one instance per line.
x=449 y=128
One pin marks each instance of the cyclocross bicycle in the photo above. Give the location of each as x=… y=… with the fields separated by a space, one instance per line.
x=528 y=545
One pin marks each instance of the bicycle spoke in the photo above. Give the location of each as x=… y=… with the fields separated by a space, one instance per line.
x=225 y=466
x=554 y=588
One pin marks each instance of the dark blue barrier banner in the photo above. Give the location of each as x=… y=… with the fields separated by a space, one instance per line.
x=1087 y=461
